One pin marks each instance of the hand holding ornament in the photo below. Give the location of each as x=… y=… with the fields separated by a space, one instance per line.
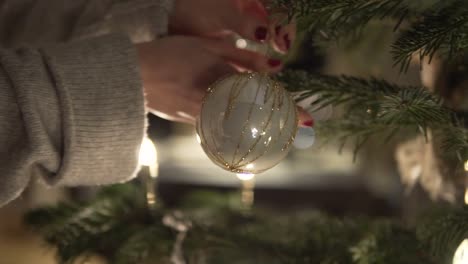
x=177 y=70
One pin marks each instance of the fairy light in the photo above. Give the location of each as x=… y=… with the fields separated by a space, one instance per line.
x=241 y=43
x=466 y=183
x=461 y=255
x=148 y=159
x=245 y=176
x=247 y=191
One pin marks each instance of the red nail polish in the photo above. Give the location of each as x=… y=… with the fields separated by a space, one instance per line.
x=274 y=63
x=308 y=123
x=287 y=41
x=277 y=29
x=261 y=33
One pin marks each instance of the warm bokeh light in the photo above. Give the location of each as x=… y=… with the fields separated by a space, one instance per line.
x=466 y=196
x=466 y=165
x=241 y=43
x=461 y=255
x=245 y=176
x=148 y=153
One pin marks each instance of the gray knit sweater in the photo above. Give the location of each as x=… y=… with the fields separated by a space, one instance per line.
x=71 y=100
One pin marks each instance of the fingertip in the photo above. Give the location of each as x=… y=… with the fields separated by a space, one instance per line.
x=305 y=119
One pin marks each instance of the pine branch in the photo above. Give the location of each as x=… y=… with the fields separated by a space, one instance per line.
x=441 y=29
x=374 y=107
x=389 y=243
x=263 y=236
x=77 y=229
x=336 y=18
x=443 y=231
x=152 y=242
x=390 y=103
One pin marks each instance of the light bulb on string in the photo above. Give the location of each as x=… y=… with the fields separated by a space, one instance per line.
x=466 y=196
x=148 y=159
x=466 y=182
x=148 y=156
x=247 y=189
x=461 y=255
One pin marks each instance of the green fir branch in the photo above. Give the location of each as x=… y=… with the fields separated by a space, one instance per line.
x=442 y=231
x=260 y=237
x=337 y=18
x=440 y=29
x=390 y=103
x=374 y=107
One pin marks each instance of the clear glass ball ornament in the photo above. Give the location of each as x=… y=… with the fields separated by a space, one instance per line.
x=247 y=123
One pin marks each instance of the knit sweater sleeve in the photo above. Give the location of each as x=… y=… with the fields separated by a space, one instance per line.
x=74 y=112
x=37 y=22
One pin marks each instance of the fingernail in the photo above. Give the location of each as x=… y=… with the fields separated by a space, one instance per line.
x=261 y=33
x=287 y=41
x=277 y=30
x=308 y=123
x=274 y=63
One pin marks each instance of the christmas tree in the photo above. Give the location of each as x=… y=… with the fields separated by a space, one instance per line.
x=430 y=35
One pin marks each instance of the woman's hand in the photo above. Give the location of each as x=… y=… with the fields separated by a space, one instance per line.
x=218 y=18
x=176 y=72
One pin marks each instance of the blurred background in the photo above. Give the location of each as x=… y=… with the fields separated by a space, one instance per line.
x=319 y=178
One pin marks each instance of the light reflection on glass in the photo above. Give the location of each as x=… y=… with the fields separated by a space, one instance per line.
x=245 y=176
x=241 y=43
x=254 y=132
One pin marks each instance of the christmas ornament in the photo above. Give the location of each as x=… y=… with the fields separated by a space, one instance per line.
x=247 y=123
x=305 y=138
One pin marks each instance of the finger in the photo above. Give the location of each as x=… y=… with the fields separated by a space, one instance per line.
x=305 y=119
x=242 y=59
x=217 y=70
x=285 y=36
x=249 y=20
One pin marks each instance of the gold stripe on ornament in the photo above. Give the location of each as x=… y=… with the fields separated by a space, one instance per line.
x=249 y=116
x=293 y=134
x=267 y=123
x=233 y=95
x=212 y=154
x=294 y=131
x=278 y=100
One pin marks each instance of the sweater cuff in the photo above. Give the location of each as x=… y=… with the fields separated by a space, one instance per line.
x=103 y=115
